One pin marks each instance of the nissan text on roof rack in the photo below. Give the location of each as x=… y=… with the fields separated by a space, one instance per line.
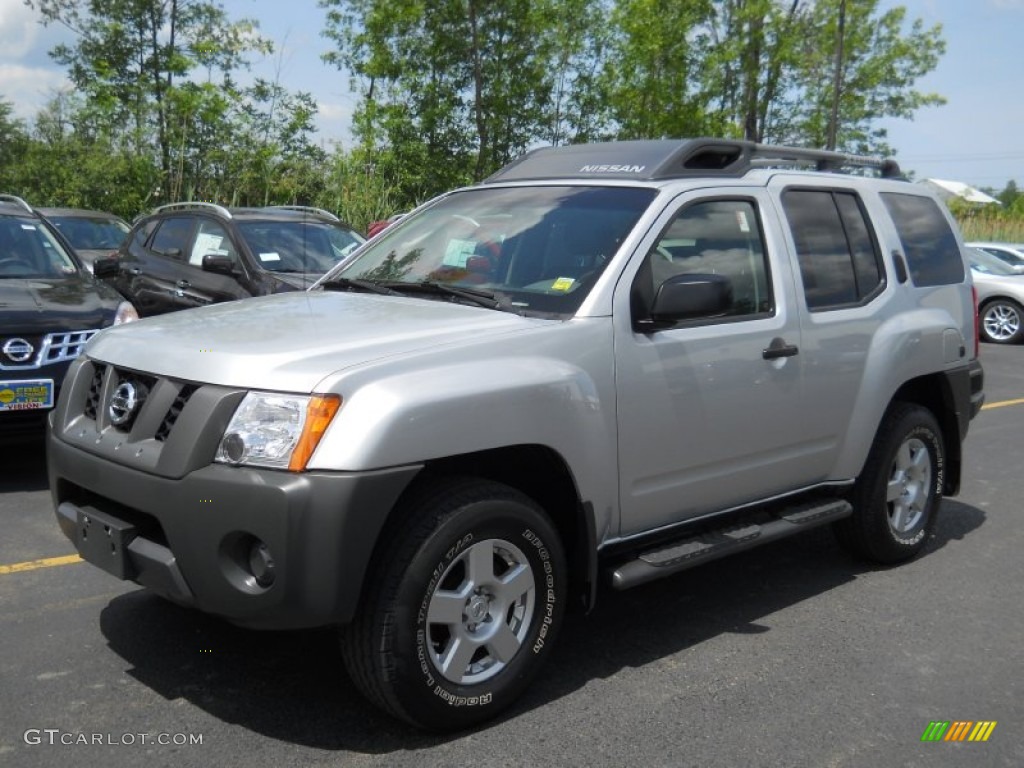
x=607 y=363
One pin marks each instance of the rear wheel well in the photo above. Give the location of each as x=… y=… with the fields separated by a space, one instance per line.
x=543 y=475
x=935 y=393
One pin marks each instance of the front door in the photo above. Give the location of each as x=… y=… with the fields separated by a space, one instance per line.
x=709 y=410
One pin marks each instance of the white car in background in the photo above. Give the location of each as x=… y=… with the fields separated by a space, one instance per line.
x=1000 y=297
x=1008 y=253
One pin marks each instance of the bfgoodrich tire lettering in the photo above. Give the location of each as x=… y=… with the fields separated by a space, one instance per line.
x=463 y=605
x=897 y=497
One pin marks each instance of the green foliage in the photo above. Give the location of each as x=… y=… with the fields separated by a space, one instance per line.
x=448 y=92
x=991 y=222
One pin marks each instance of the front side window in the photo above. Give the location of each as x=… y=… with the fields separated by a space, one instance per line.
x=715 y=237
x=928 y=241
x=211 y=239
x=537 y=249
x=839 y=261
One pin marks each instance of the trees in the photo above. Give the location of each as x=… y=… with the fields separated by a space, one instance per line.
x=453 y=89
x=158 y=78
x=450 y=90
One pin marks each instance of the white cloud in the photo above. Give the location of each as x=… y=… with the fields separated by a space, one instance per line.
x=18 y=29
x=28 y=89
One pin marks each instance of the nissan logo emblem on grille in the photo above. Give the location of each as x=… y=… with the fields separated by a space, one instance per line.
x=124 y=402
x=18 y=350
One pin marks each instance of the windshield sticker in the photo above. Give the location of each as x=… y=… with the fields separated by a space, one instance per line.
x=270 y=256
x=29 y=227
x=563 y=284
x=741 y=219
x=458 y=253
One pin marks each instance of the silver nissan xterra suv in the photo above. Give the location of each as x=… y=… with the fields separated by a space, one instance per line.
x=606 y=363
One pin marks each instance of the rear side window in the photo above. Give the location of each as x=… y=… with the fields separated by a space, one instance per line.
x=928 y=241
x=172 y=239
x=839 y=261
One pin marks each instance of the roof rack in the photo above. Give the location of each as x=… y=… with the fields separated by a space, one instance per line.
x=16 y=201
x=307 y=209
x=676 y=158
x=219 y=209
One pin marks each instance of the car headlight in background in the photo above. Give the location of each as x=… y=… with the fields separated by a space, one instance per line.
x=277 y=431
x=125 y=313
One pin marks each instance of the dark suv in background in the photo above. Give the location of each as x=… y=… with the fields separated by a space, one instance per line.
x=93 y=234
x=185 y=255
x=50 y=306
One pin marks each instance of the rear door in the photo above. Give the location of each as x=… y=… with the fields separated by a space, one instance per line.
x=154 y=264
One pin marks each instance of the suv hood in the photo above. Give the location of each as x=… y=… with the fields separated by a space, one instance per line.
x=291 y=341
x=49 y=305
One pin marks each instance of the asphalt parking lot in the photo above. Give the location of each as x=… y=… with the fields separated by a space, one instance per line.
x=791 y=655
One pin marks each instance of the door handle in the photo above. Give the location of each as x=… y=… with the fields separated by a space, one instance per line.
x=184 y=284
x=779 y=348
x=136 y=271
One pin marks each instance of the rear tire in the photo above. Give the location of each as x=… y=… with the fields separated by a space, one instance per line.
x=896 y=499
x=462 y=605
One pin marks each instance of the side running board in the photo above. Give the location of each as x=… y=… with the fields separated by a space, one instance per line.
x=686 y=553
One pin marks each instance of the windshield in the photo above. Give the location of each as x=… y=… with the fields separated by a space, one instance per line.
x=539 y=249
x=982 y=261
x=91 y=234
x=298 y=246
x=28 y=250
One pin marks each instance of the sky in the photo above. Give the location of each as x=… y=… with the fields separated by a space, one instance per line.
x=977 y=137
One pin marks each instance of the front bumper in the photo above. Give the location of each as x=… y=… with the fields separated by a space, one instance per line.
x=190 y=538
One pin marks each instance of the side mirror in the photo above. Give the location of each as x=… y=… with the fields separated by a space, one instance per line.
x=106 y=266
x=219 y=264
x=687 y=297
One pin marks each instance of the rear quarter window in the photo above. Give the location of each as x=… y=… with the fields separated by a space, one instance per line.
x=928 y=241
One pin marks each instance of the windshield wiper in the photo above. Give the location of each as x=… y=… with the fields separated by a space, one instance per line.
x=348 y=283
x=478 y=297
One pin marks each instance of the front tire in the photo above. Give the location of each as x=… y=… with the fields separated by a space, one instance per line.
x=1002 y=322
x=896 y=499
x=462 y=605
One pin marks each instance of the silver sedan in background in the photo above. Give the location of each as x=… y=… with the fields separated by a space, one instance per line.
x=1000 y=297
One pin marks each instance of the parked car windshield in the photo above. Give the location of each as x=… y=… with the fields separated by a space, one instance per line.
x=537 y=249
x=29 y=250
x=982 y=261
x=91 y=234
x=298 y=246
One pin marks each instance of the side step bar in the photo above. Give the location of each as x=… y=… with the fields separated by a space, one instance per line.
x=686 y=553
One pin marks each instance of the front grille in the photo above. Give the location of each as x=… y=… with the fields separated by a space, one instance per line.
x=164 y=430
x=47 y=350
x=92 y=402
x=65 y=346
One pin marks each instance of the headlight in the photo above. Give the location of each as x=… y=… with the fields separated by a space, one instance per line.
x=274 y=430
x=125 y=313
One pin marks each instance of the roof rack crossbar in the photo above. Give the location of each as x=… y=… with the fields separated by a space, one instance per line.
x=220 y=209
x=17 y=201
x=822 y=159
x=307 y=209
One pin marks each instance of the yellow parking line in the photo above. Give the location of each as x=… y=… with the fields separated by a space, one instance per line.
x=1003 y=403
x=32 y=565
